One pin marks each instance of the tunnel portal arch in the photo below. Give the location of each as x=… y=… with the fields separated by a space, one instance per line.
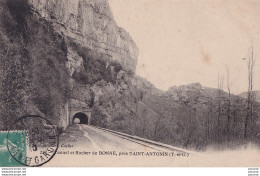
x=82 y=117
x=77 y=109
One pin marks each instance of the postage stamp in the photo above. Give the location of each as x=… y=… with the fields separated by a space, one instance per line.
x=31 y=141
x=18 y=148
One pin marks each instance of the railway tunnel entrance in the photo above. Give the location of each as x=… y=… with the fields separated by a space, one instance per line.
x=77 y=112
x=80 y=118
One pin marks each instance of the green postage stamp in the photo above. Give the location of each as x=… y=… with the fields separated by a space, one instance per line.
x=9 y=149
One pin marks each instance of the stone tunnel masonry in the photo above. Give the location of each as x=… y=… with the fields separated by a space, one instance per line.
x=77 y=106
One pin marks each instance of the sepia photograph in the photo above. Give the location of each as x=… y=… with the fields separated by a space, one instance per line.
x=130 y=83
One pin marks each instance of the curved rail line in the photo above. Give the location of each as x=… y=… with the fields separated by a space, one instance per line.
x=146 y=142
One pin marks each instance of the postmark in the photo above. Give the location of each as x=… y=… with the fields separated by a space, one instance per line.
x=40 y=137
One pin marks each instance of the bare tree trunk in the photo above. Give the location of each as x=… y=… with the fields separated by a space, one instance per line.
x=219 y=114
x=208 y=127
x=229 y=104
x=234 y=123
x=156 y=126
x=220 y=86
x=248 y=120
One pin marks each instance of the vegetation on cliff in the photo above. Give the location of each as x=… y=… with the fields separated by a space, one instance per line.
x=189 y=116
x=33 y=74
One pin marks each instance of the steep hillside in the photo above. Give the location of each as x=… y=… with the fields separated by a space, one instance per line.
x=51 y=51
x=188 y=116
x=34 y=79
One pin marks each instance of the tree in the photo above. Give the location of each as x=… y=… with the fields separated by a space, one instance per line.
x=208 y=122
x=228 y=106
x=250 y=97
x=156 y=126
x=220 y=86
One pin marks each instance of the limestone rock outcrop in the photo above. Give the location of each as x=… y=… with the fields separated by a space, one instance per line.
x=91 y=24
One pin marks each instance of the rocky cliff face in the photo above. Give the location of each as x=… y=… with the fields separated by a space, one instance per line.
x=89 y=23
x=34 y=78
x=54 y=50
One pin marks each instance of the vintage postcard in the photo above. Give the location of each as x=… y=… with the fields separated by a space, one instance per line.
x=130 y=83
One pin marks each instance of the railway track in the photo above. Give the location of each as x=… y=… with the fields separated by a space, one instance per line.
x=147 y=143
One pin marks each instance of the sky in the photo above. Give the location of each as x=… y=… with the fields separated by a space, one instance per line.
x=187 y=41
